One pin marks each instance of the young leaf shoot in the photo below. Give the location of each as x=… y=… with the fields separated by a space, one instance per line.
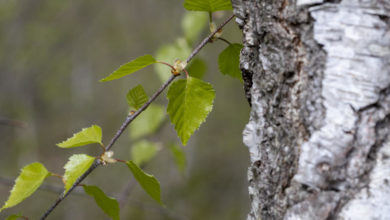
x=130 y=67
x=229 y=61
x=190 y=101
x=137 y=97
x=91 y=135
x=148 y=182
x=109 y=205
x=76 y=166
x=29 y=180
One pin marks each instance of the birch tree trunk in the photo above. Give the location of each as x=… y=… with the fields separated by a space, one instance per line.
x=317 y=74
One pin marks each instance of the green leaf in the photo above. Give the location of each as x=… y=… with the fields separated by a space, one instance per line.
x=179 y=157
x=197 y=68
x=229 y=61
x=193 y=24
x=147 y=181
x=190 y=101
x=137 y=97
x=130 y=67
x=143 y=151
x=208 y=5
x=14 y=217
x=29 y=180
x=109 y=205
x=169 y=53
x=148 y=122
x=86 y=136
x=76 y=166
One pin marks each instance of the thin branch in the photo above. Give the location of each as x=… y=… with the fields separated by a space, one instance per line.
x=207 y=39
x=64 y=195
x=80 y=192
x=125 y=193
x=167 y=64
x=12 y=123
x=129 y=119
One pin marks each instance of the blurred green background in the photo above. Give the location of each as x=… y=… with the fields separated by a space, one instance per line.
x=52 y=54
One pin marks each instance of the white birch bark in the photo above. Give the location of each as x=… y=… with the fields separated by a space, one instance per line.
x=318 y=76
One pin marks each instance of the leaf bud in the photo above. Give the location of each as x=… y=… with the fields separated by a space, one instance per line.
x=107 y=157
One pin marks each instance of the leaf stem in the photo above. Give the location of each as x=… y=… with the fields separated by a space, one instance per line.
x=122 y=161
x=224 y=40
x=173 y=68
x=57 y=175
x=187 y=75
x=129 y=119
x=103 y=148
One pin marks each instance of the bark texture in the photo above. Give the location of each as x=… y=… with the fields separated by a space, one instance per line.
x=317 y=74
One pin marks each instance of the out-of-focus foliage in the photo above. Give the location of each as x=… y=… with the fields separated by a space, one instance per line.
x=148 y=122
x=143 y=151
x=14 y=217
x=179 y=157
x=52 y=55
x=193 y=24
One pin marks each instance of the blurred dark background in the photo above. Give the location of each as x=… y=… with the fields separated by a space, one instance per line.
x=52 y=54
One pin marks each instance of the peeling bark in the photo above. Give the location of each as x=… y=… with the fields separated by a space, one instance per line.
x=317 y=75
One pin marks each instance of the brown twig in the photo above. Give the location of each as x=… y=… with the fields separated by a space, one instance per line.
x=129 y=119
x=12 y=123
x=207 y=39
x=125 y=193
